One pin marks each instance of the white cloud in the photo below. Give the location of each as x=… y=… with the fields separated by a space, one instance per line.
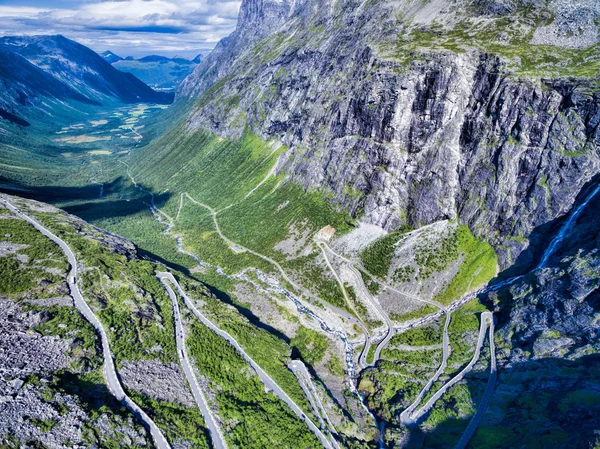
x=128 y=27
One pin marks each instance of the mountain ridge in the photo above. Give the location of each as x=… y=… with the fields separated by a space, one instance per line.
x=55 y=67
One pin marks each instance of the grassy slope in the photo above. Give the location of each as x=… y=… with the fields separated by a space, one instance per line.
x=253 y=418
x=221 y=173
x=522 y=58
x=122 y=287
x=114 y=284
x=479 y=263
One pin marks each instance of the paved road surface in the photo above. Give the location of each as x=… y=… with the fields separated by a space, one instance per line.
x=300 y=371
x=487 y=395
x=215 y=432
x=487 y=319
x=110 y=374
x=269 y=383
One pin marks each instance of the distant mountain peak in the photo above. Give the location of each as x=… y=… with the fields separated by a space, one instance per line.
x=36 y=67
x=110 y=57
x=197 y=59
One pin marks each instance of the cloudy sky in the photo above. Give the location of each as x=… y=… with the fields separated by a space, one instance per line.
x=126 y=27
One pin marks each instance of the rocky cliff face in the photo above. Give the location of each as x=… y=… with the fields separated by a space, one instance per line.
x=409 y=115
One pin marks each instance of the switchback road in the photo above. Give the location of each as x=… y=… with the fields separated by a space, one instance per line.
x=215 y=432
x=109 y=371
x=487 y=319
x=269 y=383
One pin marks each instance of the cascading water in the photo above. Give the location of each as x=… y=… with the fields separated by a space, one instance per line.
x=561 y=234
x=350 y=368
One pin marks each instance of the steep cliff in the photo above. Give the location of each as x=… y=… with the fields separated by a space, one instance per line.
x=408 y=113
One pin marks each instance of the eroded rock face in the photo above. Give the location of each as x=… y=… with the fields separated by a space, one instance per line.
x=554 y=312
x=446 y=135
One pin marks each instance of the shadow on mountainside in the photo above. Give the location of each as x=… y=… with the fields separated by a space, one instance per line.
x=537 y=404
x=547 y=394
x=92 y=202
x=245 y=311
x=541 y=237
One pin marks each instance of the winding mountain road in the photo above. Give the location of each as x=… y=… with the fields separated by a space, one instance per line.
x=390 y=325
x=109 y=371
x=487 y=395
x=215 y=432
x=487 y=320
x=269 y=383
x=239 y=248
x=301 y=373
x=404 y=417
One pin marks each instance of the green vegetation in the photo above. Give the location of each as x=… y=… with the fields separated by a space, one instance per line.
x=534 y=417
x=371 y=354
x=358 y=306
x=464 y=327
x=479 y=265
x=419 y=336
x=67 y=322
x=202 y=239
x=270 y=352
x=215 y=171
x=455 y=403
x=137 y=323
x=403 y=274
x=176 y=421
x=334 y=365
x=254 y=419
x=44 y=425
x=587 y=398
x=377 y=257
x=23 y=268
x=311 y=345
x=395 y=381
x=264 y=219
x=142 y=228
x=437 y=256
x=448 y=418
x=372 y=286
x=315 y=278
x=523 y=58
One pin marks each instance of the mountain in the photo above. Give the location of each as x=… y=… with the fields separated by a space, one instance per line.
x=197 y=59
x=157 y=71
x=66 y=310
x=24 y=82
x=387 y=211
x=56 y=68
x=110 y=57
x=154 y=58
x=495 y=128
x=424 y=117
